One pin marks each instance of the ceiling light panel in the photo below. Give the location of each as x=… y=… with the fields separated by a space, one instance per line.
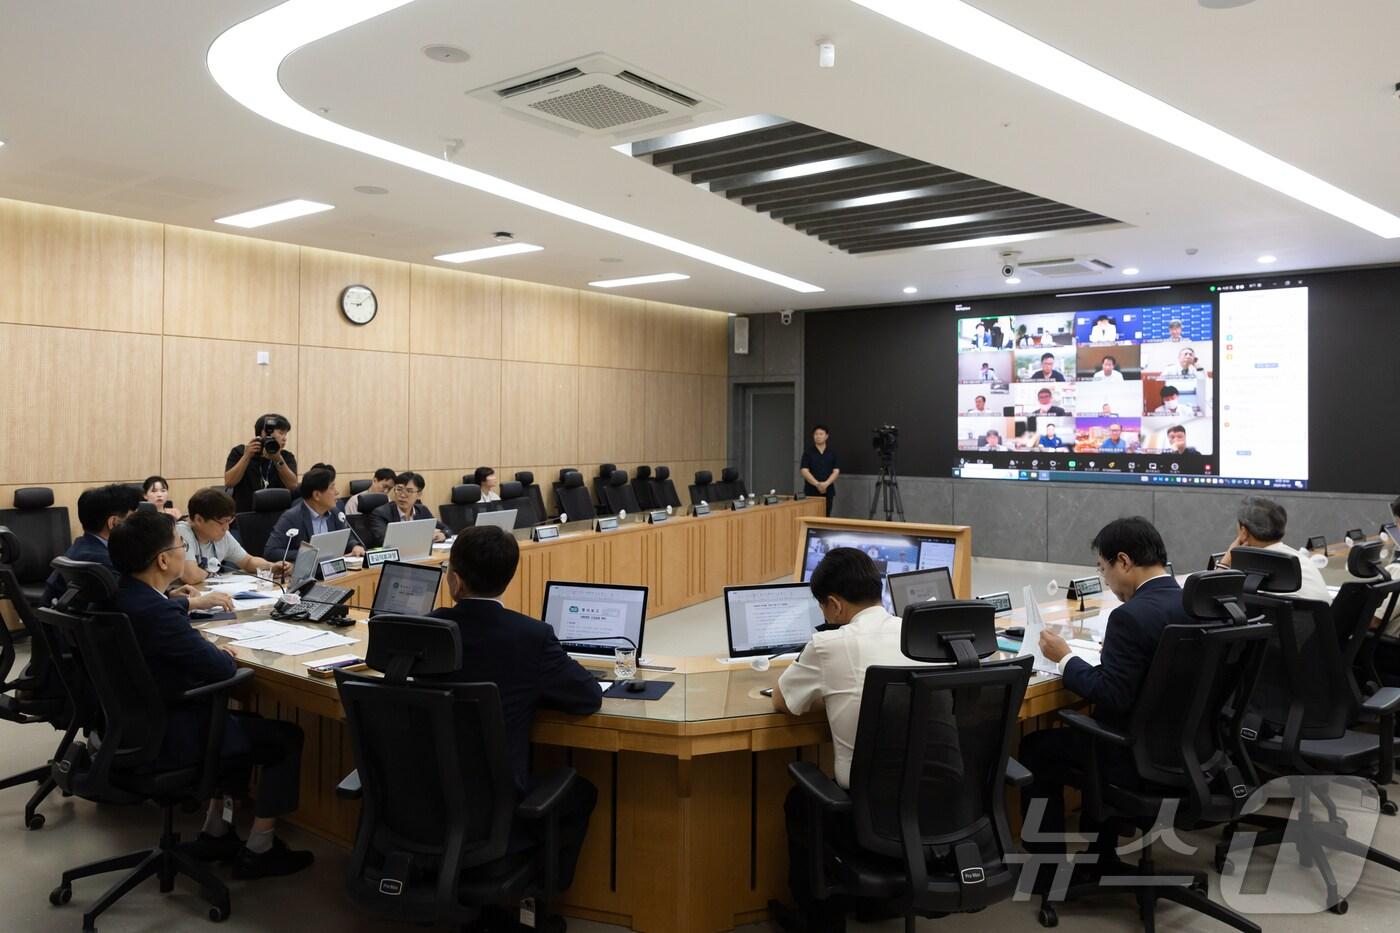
x=640 y=280
x=489 y=252
x=983 y=36
x=274 y=213
x=244 y=61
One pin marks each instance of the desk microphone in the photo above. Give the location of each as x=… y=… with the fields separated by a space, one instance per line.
x=346 y=523
x=291 y=533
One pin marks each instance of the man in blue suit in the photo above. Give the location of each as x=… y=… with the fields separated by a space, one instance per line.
x=525 y=661
x=1132 y=560
x=150 y=555
x=315 y=514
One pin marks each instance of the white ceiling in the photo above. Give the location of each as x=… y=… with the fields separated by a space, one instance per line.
x=109 y=107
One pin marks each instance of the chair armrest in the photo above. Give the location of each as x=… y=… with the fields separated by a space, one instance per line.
x=547 y=794
x=1017 y=773
x=221 y=686
x=1383 y=702
x=349 y=787
x=819 y=788
x=1095 y=729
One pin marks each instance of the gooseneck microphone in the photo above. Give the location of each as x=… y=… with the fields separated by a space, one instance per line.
x=346 y=523
x=291 y=533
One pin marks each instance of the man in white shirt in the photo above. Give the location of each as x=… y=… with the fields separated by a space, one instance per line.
x=1262 y=523
x=1108 y=370
x=830 y=674
x=383 y=484
x=209 y=547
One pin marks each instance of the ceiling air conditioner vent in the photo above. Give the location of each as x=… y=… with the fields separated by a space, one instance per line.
x=595 y=95
x=1069 y=265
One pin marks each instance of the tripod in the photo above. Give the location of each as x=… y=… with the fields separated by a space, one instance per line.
x=887 y=490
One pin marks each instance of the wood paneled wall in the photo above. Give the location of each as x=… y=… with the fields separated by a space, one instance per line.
x=129 y=348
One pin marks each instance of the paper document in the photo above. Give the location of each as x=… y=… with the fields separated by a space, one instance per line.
x=1030 y=643
x=248 y=629
x=294 y=643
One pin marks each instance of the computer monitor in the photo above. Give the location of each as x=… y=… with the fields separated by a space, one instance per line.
x=593 y=618
x=304 y=568
x=406 y=589
x=919 y=586
x=331 y=543
x=892 y=552
x=503 y=519
x=772 y=619
x=413 y=540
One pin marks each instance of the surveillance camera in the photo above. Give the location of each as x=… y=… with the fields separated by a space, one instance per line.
x=786 y=316
x=1009 y=263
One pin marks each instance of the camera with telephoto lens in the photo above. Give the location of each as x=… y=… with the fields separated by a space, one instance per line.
x=886 y=439
x=270 y=444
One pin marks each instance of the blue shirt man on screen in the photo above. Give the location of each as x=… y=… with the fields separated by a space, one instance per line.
x=1048 y=440
x=1114 y=441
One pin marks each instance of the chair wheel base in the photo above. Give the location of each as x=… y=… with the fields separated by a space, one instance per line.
x=218 y=914
x=1047 y=917
x=1389 y=808
x=1339 y=908
x=35 y=822
x=60 y=895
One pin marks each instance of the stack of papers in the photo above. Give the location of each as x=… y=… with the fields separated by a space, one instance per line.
x=1083 y=647
x=281 y=637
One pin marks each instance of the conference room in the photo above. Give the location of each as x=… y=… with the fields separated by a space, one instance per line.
x=615 y=467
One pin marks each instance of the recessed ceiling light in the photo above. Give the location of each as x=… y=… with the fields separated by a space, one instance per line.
x=2 y=142
x=640 y=280
x=371 y=189
x=274 y=213
x=983 y=36
x=910 y=290
x=447 y=54
x=244 y=61
x=488 y=252
x=1267 y=258
x=1131 y=270
x=1013 y=280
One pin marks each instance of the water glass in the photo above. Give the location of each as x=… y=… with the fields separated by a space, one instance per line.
x=625 y=663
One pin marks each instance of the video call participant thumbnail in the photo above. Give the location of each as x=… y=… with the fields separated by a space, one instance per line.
x=1047 y=371
x=1047 y=407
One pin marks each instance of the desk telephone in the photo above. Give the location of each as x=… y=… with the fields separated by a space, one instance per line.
x=316 y=602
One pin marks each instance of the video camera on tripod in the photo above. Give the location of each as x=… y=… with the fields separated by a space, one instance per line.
x=886 y=492
x=886 y=440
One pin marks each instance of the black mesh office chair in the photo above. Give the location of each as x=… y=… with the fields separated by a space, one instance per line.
x=360 y=523
x=461 y=511
x=527 y=479
x=643 y=489
x=573 y=497
x=254 y=527
x=1192 y=769
x=514 y=496
x=439 y=805
x=732 y=486
x=925 y=831
x=358 y=486
x=36 y=694
x=618 y=495
x=704 y=488
x=605 y=470
x=664 y=489
x=1375 y=660
x=1302 y=722
x=44 y=533
x=118 y=760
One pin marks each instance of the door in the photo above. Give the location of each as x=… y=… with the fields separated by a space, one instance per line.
x=772 y=459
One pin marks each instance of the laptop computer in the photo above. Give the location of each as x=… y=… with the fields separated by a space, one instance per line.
x=503 y=519
x=594 y=618
x=772 y=619
x=414 y=540
x=406 y=589
x=304 y=568
x=919 y=586
x=331 y=543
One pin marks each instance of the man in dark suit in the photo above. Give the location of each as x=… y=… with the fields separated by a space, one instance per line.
x=150 y=555
x=525 y=661
x=1132 y=560
x=315 y=514
x=403 y=506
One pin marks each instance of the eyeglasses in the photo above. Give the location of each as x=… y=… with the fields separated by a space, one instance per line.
x=405 y=490
x=182 y=546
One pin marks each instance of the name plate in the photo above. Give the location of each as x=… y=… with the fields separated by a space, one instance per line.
x=330 y=569
x=700 y=508
x=738 y=504
x=771 y=500
x=1317 y=543
x=605 y=523
x=544 y=532
x=1001 y=602
x=381 y=556
x=1080 y=587
x=656 y=515
x=1356 y=535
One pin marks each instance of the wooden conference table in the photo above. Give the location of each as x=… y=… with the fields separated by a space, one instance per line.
x=688 y=834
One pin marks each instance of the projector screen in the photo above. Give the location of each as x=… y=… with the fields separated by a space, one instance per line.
x=1148 y=394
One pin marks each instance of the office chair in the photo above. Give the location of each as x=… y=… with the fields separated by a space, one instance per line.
x=704 y=487
x=732 y=485
x=118 y=760
x=527 y=479
x=572 y=497
x=45 y=533
x=618 y=495
x=439 y=805
x=923 y=825
x=461 y=511
x=1302 y=721
x=664 y=489
x=605 y=470
x=37 y=694
x=360 y=523
x=514 y=496
x=1376 y=660
x=358 y=486
x=642 y=488
x=1191 y=767
x=254 y=527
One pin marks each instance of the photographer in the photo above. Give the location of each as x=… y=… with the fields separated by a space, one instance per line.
x=819 y=467
x=262 y=463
